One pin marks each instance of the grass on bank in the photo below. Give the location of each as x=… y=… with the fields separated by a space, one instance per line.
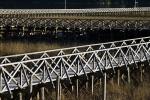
x=114 y=92
x=18 y=47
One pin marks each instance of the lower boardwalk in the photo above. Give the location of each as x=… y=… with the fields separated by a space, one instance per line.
x=23 y=72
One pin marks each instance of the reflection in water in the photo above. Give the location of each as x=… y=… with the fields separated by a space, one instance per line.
x=25 y=45
x=16 y=47
x=9 y=47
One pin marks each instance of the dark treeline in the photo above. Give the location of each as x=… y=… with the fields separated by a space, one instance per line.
x=12 y=4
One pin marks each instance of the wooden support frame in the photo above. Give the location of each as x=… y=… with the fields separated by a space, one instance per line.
x=81 y=60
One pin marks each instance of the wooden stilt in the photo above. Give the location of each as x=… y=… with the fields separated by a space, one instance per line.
x=30 y=98
x=0 y=84
x=23 y=30
x=20 y=95
x=58 y=87
x=128 y=69
x=104 y=90
x=60 y=91
x=87 y=85
x=112 y=81
x=42 y=93
x=100 y=85
x=56 y=30
x=77 y=88
x=118 y=77
x=38 y=96
x=100 y=82
x=72 y=88
x=11 y=96
x=92 y=85
x=141 y=73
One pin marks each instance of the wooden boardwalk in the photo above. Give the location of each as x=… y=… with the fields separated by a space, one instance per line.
x=45 y=67
x=24 y=22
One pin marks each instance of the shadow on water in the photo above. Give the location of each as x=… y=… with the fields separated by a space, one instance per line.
x=16 y=44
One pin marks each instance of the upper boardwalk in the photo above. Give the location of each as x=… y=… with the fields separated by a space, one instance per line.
x=47 y=20
x=93 y=12
x=30 y=69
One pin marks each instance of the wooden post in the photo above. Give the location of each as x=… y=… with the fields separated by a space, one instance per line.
x=112 y=81
x=128 y=69
x=87 y=85
x=56 y=31
x=104 y=91
x=23 y=29
x=118 y=77
x=0 y=83
x=34 y=30
x=92 y=85
x=38 y=96
x=30 y=98
x=72 y=88
x=141 y=73
x=11 y=96
x=100 y=82
x=20 y=95
x=1 y=32
x=77 y=88
x=42 y=93
x=31 y=89
x=100 y=85
x=58 y=89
